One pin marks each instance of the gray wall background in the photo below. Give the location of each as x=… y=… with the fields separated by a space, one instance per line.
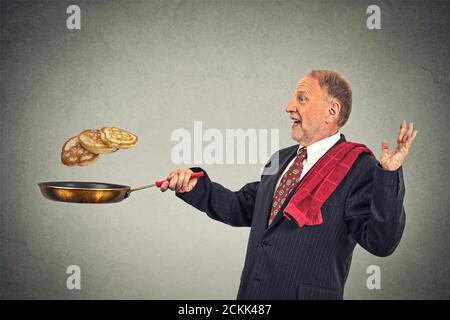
x=154 y=66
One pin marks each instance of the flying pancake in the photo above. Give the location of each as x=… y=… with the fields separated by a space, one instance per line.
x=73 y=154
x=91 y=140
x=118 y=138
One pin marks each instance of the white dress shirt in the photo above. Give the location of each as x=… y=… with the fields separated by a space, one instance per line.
x=314 y=152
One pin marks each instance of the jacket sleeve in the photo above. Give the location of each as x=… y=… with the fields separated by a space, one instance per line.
x=374 y=210
x=234 y=208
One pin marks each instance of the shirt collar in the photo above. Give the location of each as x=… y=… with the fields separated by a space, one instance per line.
x=319 y=148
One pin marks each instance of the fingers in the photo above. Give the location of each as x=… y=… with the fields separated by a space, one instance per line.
x=164 y=186
x=402 y=131
x=178 y=181
x=414 y=135
x=406 y=135
x=185 y=185
x=171 y=175
x=409 y=132
x=173 y=181
x=410 y=135
x=411 y=138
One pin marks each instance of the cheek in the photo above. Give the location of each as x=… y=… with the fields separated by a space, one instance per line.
x=301 y=112
x=314 y=116
x=305 y=116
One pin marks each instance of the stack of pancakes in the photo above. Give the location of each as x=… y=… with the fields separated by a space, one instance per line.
x=85 y=148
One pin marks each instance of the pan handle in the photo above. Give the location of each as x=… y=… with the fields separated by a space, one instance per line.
x=159 y=183
x=194 y=175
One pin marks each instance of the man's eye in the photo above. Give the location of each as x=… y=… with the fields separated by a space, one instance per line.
x=301 y=99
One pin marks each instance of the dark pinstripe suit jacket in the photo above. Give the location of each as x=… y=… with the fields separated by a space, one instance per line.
x=284 y=261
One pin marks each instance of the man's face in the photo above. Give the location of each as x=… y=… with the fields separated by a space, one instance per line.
x=308 y=109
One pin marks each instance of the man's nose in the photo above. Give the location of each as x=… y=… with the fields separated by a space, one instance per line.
x=291 y=107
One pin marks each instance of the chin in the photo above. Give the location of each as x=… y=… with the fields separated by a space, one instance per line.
x=297 y=137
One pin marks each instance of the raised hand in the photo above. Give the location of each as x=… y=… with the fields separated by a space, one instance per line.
x=394 y=159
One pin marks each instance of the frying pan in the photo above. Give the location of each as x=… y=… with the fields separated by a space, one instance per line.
x=92 y=192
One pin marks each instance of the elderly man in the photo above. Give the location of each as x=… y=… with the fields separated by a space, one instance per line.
x=327 y=195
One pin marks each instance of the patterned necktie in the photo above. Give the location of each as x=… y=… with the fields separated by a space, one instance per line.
x=287 y=183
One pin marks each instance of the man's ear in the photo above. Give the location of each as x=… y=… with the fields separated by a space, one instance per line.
x=334 y=108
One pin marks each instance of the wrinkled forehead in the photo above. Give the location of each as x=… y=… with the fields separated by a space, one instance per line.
x=308 y=85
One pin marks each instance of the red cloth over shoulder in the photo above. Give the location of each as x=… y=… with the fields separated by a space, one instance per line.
x=319 y=184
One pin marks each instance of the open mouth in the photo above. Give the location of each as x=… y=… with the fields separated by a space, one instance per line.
x=296 y=122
